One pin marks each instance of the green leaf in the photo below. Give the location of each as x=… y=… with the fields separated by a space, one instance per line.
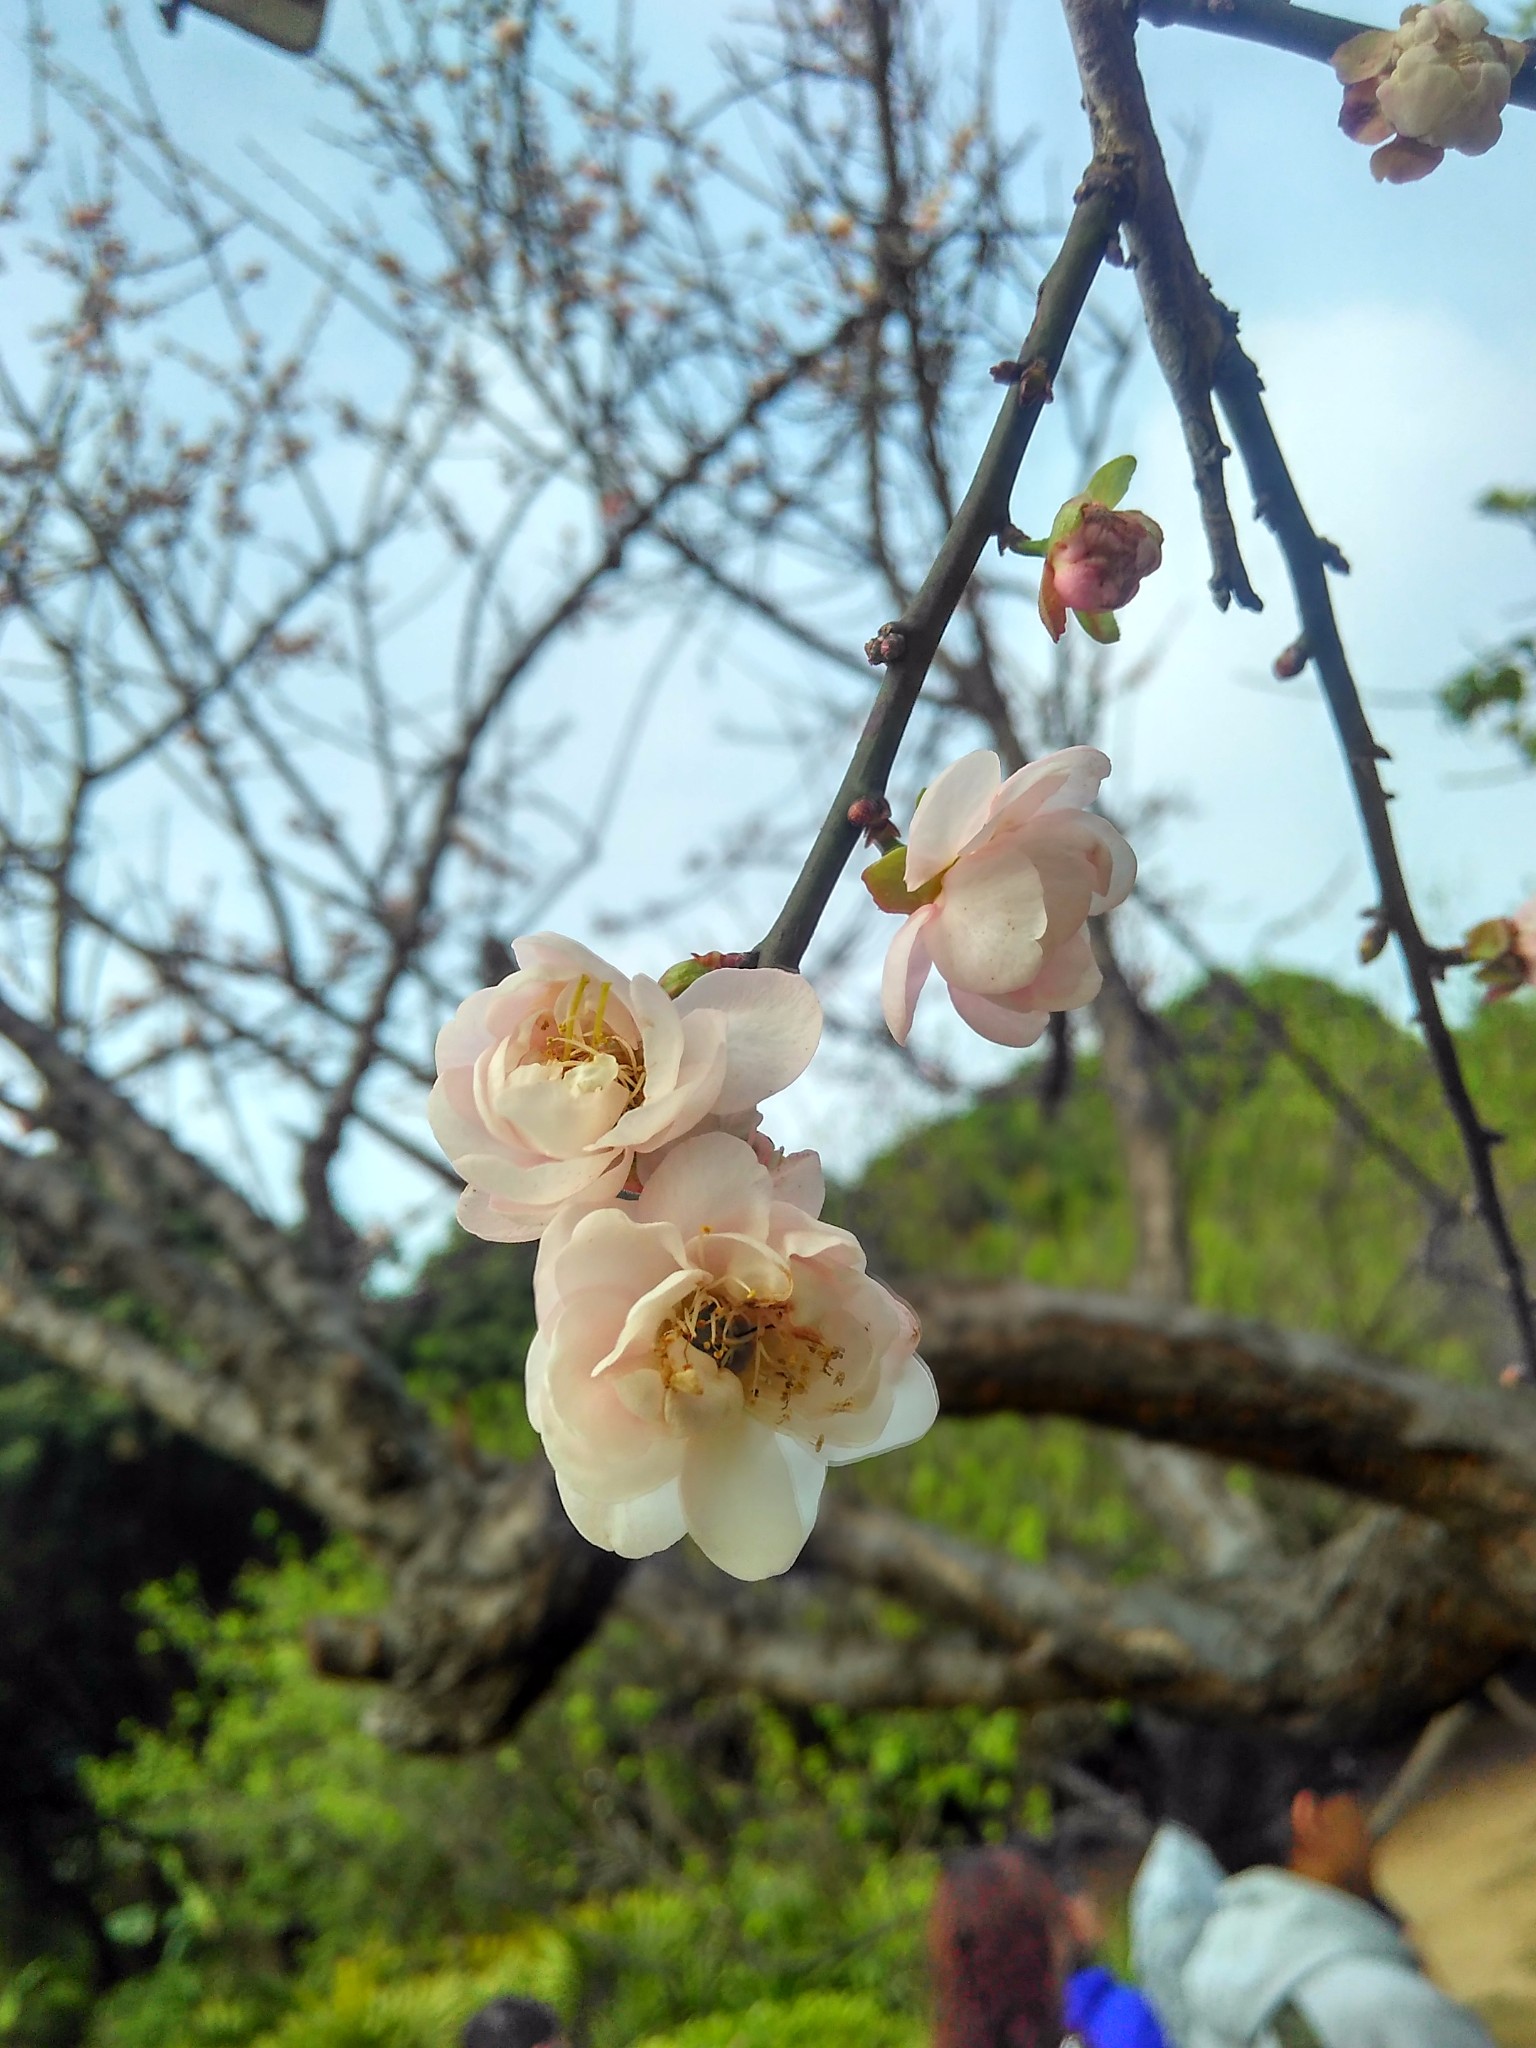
x=1110 y=482
x=1101 y=626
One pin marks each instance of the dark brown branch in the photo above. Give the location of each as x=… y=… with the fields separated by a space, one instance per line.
x=1382 y=1626
x=1308 y=558
x=1203 y=357
x=1282 y=26
x=1096 y=216
x=1463 y=1456
x=1186 y=335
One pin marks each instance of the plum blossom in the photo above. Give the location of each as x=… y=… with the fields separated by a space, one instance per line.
x=1095 y=556
x=998 y=880
x=705 y=1352
x=552 y=1083
x=1439 y=81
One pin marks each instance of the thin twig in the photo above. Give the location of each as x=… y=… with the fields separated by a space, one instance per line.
x=1307 y=559
x=1182 y=326
x=914 y=639
x=1282 y=26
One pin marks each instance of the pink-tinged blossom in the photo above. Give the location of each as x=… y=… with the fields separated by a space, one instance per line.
x=1096 y=556
x=1000 y=880
x=553 y=1083
x=1439 y=81
x=706 y=1351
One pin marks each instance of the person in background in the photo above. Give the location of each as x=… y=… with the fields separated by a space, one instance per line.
x=1097 y=2008
x=514 y=2023
x=997 y=1942
x=1297 y=1952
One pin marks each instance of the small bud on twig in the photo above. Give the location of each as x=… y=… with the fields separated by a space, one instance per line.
x=1375 y=936
x=872 y=816
x=888 y=644
x=1290 y=661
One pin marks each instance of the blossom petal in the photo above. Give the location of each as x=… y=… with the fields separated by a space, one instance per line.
x=1064 y=781
x=630 y=1528
x=750 y=1497
x=991 y=1018
x=550 y=956
x=1068 y=978
x=451 y=1112
x=988 y=924
x=661 y=1033
x=913 y=1412
x=645 y=1316
x=709 y=1182
x=609 y=1248
x=772 y=1027
x=502 y=1221
x=469 y=1030
x=595 y=1439
x=545 y=1184
x=798 y=1180
x=666 y=1115
x=950 y=812
x=906 y=969
x=1120 y=876
x=1366 y=55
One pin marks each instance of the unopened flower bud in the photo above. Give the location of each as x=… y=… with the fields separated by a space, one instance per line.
x=1097 y=556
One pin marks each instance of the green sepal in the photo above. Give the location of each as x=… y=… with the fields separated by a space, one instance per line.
x=1489 y=940
x=1111 y=480
x=1101 y=626
x=886 y=881
x=683 y=974
x=1067 y=520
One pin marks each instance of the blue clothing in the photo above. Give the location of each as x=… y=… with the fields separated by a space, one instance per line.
x=1109 y=2015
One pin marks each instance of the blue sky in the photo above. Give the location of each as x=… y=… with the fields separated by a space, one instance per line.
x=1392 y=326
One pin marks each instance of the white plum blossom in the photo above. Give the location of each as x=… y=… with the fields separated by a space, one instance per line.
x=552 y=1083
x=999 y=879
x=1439 y=81
x=705 y=1351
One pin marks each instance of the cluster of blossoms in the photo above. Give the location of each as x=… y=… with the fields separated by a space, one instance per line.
x=706 y=1346
x=1439 y=81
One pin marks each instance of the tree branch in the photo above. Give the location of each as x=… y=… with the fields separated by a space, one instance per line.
x=1307 y=559
x=1383 y=1625
x=1195 y=337
x=914 y=639
x=1282 y=26
x=1463 y=1456
x=1185 y=333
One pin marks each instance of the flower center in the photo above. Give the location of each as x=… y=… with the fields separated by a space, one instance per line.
x=774 y=1358
x=573 y=1041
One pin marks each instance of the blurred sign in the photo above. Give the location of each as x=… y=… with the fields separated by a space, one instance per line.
x=292 y=24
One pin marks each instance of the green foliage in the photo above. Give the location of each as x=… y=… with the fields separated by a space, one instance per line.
x=819 y=2019
x=688 y=1872
x=1497 y=692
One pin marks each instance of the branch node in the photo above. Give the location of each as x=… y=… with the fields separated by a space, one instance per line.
x=888 y=644
x=1332 y=556
x=1290 y=661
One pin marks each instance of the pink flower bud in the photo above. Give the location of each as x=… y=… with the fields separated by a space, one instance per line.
x=1098 y=566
